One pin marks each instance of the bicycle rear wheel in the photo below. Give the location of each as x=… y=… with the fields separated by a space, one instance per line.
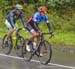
x=7 y=44
x=18 y=46
x=26 y=54
x=45 y=52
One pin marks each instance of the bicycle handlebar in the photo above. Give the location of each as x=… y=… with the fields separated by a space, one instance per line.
x=42 y=33
x=48 y=33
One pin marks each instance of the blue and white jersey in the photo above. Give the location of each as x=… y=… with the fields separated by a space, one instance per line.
x=12 y=17
x=40 y=19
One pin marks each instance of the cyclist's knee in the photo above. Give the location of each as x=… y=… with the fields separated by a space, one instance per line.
x=34 y=34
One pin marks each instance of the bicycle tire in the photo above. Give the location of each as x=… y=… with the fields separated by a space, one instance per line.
x=46 y=51
x=25 y=53
x=18 y=46
x=7 y=44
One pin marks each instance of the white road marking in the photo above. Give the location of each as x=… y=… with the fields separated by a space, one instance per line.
x=45 y=66
x=64 y=66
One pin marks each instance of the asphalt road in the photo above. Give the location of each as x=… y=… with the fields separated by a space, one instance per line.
x=60 y=60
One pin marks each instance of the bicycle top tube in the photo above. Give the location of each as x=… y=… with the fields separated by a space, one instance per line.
x=45 y=33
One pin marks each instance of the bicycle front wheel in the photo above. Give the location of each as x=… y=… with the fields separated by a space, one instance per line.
x=26 y=54
x=18 y=46
x=45 y=52
x=7 y=44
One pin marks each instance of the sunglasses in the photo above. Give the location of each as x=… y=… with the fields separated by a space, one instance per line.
x=43 y=12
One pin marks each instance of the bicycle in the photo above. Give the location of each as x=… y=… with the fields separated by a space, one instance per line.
x=8 y=43
x=43 y=47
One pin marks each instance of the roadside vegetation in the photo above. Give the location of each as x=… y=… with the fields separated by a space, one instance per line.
x=61 y=14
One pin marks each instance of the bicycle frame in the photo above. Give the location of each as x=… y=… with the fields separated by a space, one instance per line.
x=41 y=39
x=14 y=42
x=15 y=36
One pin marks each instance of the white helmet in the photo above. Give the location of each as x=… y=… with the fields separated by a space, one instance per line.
x=18 y=6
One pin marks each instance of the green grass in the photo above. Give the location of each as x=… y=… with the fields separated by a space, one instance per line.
x=60 y=37
x=64 y=38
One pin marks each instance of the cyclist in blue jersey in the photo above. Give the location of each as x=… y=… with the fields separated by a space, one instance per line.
x=11 y=18
x=37 y=18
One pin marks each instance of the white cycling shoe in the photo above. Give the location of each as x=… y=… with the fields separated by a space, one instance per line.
x=28 y=48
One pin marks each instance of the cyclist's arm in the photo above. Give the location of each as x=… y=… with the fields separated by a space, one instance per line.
x=48 y=24
x=22 y=18
x=25 y=24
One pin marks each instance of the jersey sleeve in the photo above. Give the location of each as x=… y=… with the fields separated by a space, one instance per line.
x=25 y=24
x=23 y=20
x=48 y=24
x=22 y=17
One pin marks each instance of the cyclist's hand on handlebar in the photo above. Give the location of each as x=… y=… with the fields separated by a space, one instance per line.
x=52 y=33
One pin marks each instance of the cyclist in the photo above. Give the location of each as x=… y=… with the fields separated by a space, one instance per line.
x=37 y=18
x=11 y=18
